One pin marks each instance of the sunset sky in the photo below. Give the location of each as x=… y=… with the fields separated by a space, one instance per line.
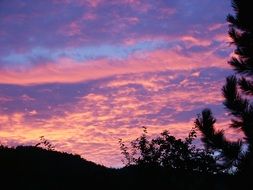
x=84 y=73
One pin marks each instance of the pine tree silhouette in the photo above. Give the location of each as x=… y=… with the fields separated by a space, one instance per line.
x=237 y=92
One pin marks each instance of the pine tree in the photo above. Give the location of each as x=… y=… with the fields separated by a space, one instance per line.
x=238 y=93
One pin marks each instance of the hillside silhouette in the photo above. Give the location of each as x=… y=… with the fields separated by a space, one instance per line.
x=31 y=167
x=164 y=162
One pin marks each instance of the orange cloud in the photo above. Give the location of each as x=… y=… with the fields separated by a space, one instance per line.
x=94 y=142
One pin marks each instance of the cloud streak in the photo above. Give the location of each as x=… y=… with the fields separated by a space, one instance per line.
x=69 y=71
x=84 y=73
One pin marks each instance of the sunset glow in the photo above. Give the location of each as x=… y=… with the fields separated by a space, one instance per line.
x=84 y=73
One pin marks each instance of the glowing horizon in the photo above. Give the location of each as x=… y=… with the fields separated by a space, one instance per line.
x=84 y=73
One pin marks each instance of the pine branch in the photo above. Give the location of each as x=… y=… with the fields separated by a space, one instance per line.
x=233 y=100
x=239 y=107
x=241 y=33
x=215 y=139
x=246 y=86
x=241 y=67
x=243 y=14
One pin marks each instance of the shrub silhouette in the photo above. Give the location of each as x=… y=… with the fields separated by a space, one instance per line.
x=237 y=93
x=44 y=143
x=168 y=152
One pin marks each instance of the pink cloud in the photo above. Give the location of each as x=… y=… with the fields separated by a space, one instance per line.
x=216 y=26
x=5 y=99
x=92 y=125
x=89 y=16
x=94 y=142
x=72 y=29
x=93 y=3
x=68 y=71
x=165 y=13
x=193 y=41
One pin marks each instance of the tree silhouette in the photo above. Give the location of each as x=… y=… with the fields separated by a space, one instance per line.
x=237 y=92
x=166 y=151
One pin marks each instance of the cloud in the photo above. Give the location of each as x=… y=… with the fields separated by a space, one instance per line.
x=84 y=23
x=69 y=71
x=91 y=118
x=96 y=39
x=84 y=73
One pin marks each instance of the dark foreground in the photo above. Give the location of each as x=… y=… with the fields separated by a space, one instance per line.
x=36 y=168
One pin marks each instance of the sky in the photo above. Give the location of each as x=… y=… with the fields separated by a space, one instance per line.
x=84 y=73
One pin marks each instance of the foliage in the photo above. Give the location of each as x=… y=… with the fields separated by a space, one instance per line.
x=168 y=152
x=237 y=92
x=44 y=143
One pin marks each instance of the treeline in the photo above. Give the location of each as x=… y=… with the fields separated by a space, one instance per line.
x=219 y=155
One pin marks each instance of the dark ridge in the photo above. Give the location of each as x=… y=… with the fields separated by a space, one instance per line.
x=30 y=167
x=33 y=167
